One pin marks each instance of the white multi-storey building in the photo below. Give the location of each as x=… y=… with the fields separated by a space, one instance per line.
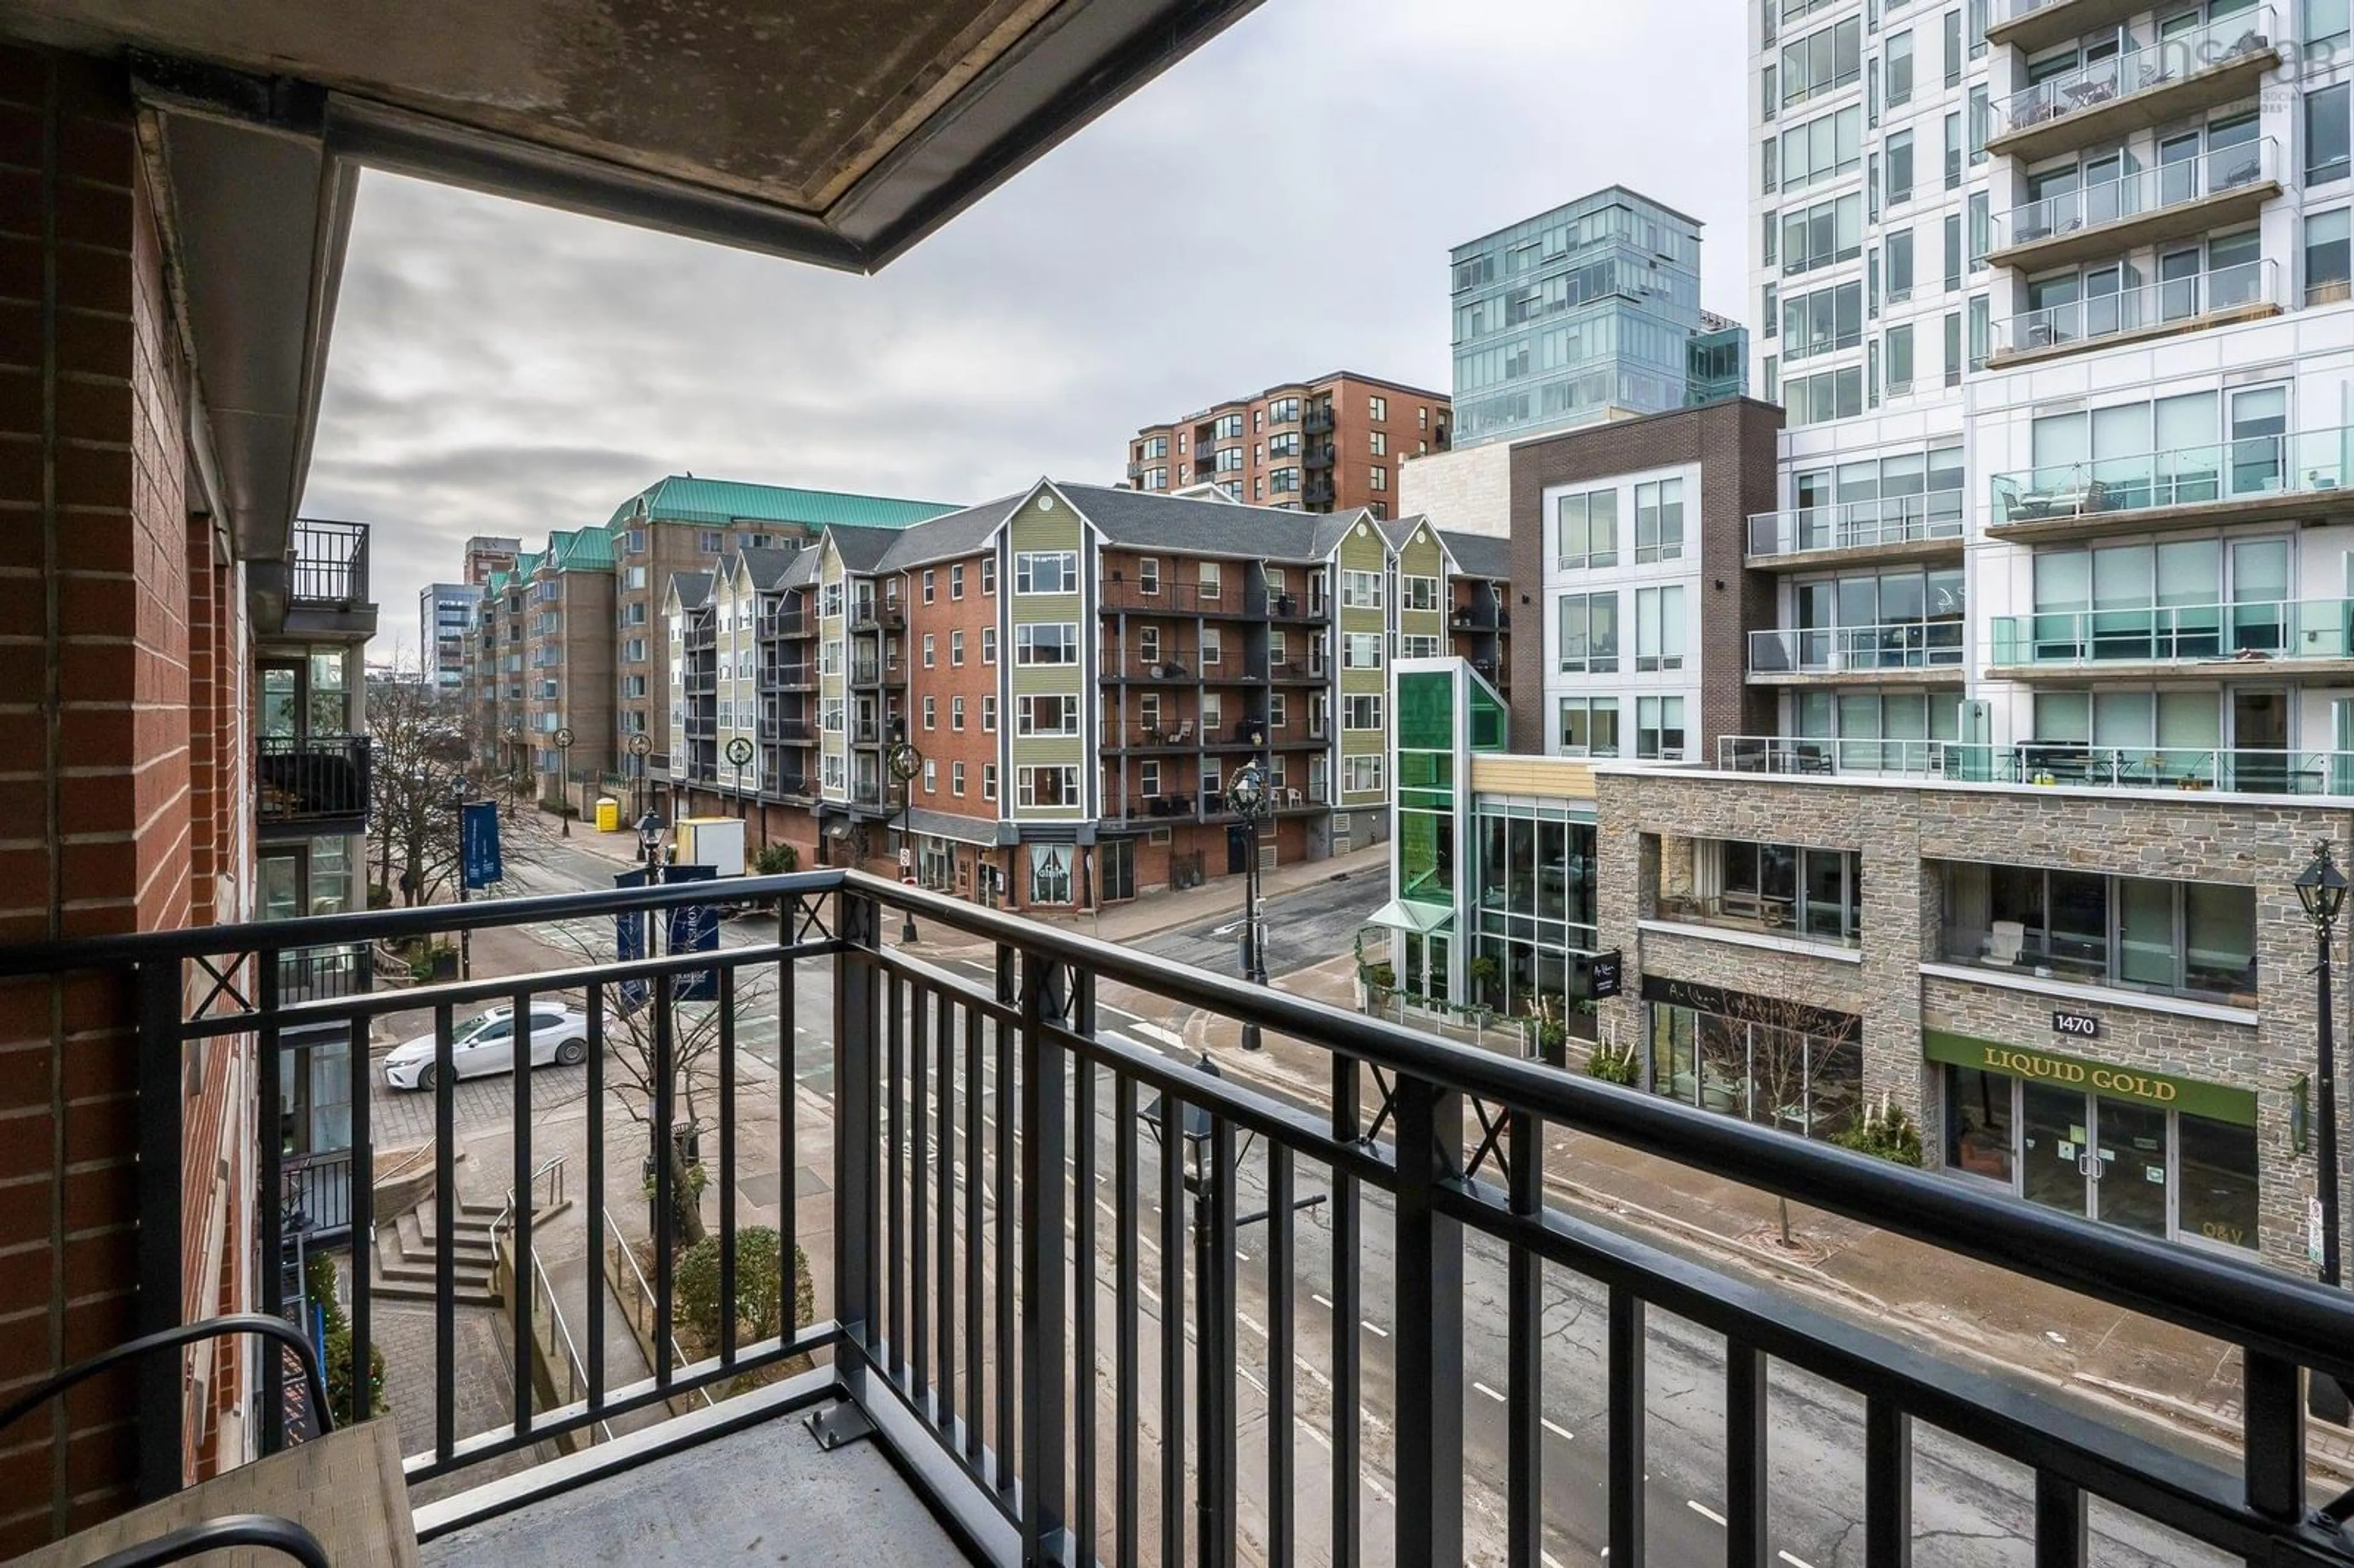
x=2055 y=294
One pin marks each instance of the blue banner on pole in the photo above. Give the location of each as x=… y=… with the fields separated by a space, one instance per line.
x=630 y=942
x=478 y=843
x=694 y=928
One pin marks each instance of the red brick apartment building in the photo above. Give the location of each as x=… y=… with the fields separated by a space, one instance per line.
x=175 y=193
x=1331 y=444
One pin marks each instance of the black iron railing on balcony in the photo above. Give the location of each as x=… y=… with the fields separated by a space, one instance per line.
x=1023 y=1209
x=330 y=565
x=310 y=778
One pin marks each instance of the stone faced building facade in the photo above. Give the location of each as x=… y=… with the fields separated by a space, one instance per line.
x=2094 y=1001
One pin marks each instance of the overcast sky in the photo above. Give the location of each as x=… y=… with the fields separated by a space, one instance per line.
x=1279 y=205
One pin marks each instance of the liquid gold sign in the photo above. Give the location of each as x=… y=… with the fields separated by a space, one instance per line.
x=2061 y=1070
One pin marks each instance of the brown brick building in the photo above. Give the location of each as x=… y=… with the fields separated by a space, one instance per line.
x=1332 y=444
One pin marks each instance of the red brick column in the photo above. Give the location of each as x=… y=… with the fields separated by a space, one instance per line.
x=98 y=824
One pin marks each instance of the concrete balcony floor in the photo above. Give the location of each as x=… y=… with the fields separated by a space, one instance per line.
x=766 y=1494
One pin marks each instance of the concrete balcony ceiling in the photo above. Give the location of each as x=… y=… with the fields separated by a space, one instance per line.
x=836 y=131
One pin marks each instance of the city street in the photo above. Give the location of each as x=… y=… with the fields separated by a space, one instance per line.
x=1968 y=1509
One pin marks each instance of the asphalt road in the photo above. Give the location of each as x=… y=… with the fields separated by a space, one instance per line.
x=1969 y=1510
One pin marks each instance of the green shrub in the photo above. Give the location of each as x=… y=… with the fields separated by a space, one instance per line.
x=1885 y=1134
x=339 y=1375
x=759 y=1286
x=1486 y=970
x=320 y=1281
x=776 y=860
x=1612 y=1064
x=1380 y=977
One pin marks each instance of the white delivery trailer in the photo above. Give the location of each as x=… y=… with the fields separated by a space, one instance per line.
x=715 y=841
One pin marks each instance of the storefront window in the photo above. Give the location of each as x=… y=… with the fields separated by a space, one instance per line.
x=1979 y=1129
x=1534 y=890
x=2102 y=1143
x=2217 y=1192
x=1776 y=1075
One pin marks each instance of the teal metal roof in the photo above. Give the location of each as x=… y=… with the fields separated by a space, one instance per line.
x=586 y=550
x=685 y=499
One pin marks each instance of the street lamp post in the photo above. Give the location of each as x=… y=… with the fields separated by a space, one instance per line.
x=563 y=775
x=740 y=755
x=650 y=833
x=904 y=762
x=2321 y=888
x=1246 y=798
x=465 y=934
x=640 y=746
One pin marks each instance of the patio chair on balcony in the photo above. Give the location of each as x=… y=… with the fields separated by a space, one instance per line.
x=2004 y=940
x=338 y=1497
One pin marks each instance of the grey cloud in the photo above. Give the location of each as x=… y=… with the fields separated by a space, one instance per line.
x=1280 y=205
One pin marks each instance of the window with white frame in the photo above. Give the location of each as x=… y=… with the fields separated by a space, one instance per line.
x=830 y=606
x=989 y=780
x=989 y=715
x=930 y=649
x=1588 y=727
x=1049 y=714
x=1045 y=571
x=956 y=780
x=989 y=645
x=1361 y=713
x=1361 y=651
x=956 y=650
x=932 y=584
x=1046 y=786
x=1213 y=647
x=1148 y=575
x=931 y=713
x=931 y=777
x=1049 y=873
x=1209 y=579
x=1147 y=777
x=1046 y=644
x=956 y=713
x=956 y=589
x=989 y=574
x=1659 y=627
x=1659 y=521
x=1361 y=590
x=1360 y=775
x=1213 y=713
x=1589 y=632
x=1660 y=728
x=1419 y=645
x=1418 y=593
x=1585 y=530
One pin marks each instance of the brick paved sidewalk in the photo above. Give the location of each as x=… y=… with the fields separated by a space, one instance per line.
x=1952 y=1304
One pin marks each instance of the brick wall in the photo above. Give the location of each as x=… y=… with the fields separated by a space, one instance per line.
x=1734 y=443
x=123 y=786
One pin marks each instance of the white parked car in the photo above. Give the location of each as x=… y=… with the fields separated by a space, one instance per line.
x=486 y=1045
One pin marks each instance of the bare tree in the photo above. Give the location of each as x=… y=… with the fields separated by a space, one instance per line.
x=1769 y=1044
x=633 y=1054
x=420 y=762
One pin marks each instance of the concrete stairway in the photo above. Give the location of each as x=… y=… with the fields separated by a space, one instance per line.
x=406 y=1255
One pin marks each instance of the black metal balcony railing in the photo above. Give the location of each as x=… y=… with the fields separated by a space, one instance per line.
x=986 y=1229
x=305 y=779
x=877 y=617
x=330 y=565
x=1162 y=597
x=865 y=673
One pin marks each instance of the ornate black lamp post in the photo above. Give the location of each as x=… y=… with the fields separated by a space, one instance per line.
x=904 y=762
x=564 y=773
x=640 y=746
x=1246 y=797
x=2321 y=888
x=650 y=836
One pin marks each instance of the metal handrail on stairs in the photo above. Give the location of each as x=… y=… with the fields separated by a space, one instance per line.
x=554 y=1169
